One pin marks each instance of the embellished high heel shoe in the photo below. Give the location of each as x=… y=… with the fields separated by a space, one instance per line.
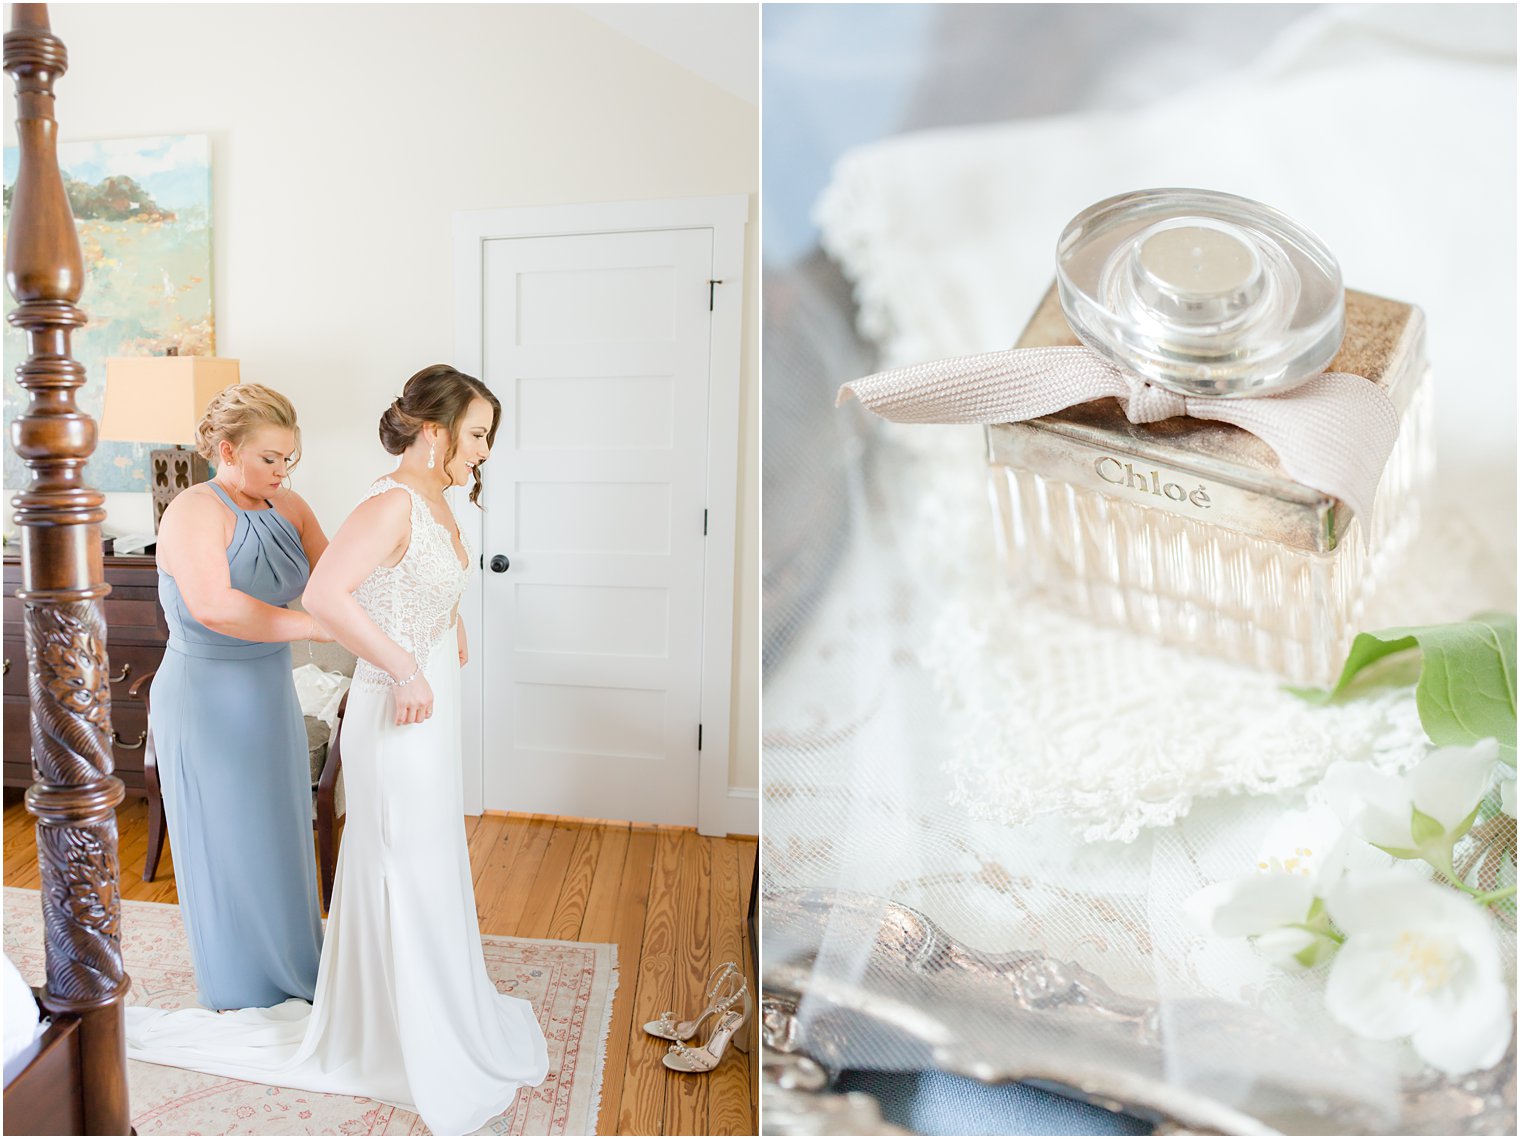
x=730 y=1028
x=721 y=996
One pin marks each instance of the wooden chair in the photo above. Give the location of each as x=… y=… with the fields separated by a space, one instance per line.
x=326 y=820
x=325 y=823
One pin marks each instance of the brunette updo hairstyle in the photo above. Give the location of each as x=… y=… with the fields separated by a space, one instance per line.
x=236 y=411
x=438 y=394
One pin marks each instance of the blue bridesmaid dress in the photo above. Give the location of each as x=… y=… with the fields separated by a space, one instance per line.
x=236 y=780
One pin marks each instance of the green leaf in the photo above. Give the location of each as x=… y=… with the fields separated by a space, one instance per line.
x=1368 y=648
x=1424 y=829
x=1466 y=690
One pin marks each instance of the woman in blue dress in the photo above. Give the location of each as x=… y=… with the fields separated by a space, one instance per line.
x=227 y=727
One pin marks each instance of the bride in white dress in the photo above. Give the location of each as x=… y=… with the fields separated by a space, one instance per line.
x=404 y=1011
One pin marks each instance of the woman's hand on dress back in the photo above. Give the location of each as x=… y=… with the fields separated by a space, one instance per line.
x=375 y=534
x=413 y=701
x=319 y=633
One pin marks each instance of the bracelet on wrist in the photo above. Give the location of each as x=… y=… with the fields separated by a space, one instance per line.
x=399 y=683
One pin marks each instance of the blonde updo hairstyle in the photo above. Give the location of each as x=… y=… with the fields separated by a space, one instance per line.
x=236 y=412
x=438 y=394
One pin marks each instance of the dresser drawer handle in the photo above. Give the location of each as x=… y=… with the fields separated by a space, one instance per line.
x=126 y=671
x=7 y=671
x=142 y=738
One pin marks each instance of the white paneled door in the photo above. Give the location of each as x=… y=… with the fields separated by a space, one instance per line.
x=592 y=596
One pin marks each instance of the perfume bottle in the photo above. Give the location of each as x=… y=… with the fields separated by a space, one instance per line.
x=1188 y=529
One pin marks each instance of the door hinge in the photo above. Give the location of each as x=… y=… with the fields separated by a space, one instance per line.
x=699 y=737
x=710 y=285
x=704 y=523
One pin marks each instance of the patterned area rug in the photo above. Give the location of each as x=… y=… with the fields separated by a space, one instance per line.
x=570 y=983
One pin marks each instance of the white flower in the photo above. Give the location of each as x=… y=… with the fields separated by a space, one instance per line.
x=1277 y=911
x=1249 y=907
x=1310 y=843
x=1422 y=962
x=1277 y=907
x=1422 y=814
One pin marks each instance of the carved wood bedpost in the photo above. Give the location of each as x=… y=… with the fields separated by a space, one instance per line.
x=75 y=796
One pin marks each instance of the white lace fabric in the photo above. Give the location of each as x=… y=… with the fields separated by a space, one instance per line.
x=414 y=602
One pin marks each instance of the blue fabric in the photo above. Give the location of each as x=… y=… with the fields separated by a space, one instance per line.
x=935 y=1103
x=236 y=778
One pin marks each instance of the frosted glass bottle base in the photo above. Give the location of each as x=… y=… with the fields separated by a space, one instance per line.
x=1190 y=583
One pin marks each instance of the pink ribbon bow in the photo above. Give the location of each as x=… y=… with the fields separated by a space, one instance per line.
x=1334 y=432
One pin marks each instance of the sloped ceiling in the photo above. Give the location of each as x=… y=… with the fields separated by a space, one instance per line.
x=718 y=42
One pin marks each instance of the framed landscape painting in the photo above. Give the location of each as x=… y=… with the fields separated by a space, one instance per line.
x=143 y=208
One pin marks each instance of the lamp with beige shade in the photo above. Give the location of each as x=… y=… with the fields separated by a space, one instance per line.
x=160 y=399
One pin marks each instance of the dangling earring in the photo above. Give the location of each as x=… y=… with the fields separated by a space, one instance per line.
x=432 y=462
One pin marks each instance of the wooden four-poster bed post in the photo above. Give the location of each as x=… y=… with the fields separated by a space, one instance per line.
x=75 y=795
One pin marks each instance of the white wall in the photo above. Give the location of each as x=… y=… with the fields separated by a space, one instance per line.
x=343 y=137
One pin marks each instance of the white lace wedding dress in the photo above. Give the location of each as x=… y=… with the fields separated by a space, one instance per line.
x=404 y=1011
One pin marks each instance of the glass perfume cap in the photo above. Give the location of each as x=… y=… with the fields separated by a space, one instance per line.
x=1201 y=292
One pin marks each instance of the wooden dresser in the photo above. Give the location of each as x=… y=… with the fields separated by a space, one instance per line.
x=135 y=639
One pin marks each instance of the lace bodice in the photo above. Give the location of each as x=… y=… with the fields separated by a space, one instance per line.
x=414 y=601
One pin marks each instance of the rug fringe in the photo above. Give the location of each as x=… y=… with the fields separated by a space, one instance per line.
x=601 y=1055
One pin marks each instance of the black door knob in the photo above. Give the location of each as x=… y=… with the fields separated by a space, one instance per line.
x=499 y=563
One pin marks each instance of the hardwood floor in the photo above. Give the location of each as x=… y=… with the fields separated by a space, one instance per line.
x=671 y=900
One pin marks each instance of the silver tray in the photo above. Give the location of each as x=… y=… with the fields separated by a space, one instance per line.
x=937 y=1018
